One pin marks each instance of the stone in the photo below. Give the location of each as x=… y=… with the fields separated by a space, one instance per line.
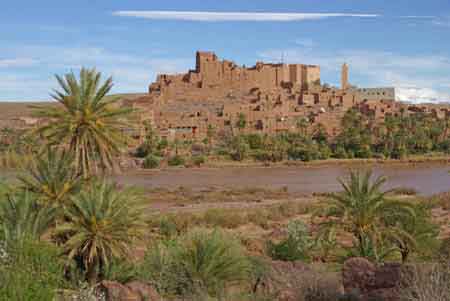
x=145 y=291
x=372 y=282
x=358 y=274
x=114 y=291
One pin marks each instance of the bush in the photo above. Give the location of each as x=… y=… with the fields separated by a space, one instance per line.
x=176 y=160
x=198 y=160
x=261 y=155
x=255 y=141
x=340 y=152
x=119 y=270
x=143 y=150
x=30 y=271
x=199 y=261
x=151 y=162
x=295 y=247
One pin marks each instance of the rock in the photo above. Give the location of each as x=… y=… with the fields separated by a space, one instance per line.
x=145 y=291
x=358 y=275
x=373 y=282
x=115 y=291
x=388 y=276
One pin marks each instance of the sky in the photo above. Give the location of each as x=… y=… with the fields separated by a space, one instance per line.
x=401 y=43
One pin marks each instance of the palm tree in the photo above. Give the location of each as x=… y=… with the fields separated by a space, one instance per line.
x=361 y=209
x=52 y=178
x=241 y=123
x=101 y=223
x=419 y=234
x=210 y=133
x=302 y=124
x=85 y=122
x=21 y=218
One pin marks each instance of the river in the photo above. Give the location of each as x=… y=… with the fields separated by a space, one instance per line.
x=425 y=178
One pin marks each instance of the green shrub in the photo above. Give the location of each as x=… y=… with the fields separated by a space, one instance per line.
x=255 y=141
x=261 y=155
x=198 y=160
x=340 y=152
x=119 y=270
x=167 y=227
x=176 y=160
x=199 y=261
x=151 y=162
x=143 y=150
x=30 y=271
x=295 y=247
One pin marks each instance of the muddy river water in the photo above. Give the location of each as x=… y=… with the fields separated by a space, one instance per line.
x=425 y=178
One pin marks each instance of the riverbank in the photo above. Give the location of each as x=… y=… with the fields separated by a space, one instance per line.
x=427 y=178
x=407 y=161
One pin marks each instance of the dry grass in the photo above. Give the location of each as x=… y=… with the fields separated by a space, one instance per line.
x=186 y=196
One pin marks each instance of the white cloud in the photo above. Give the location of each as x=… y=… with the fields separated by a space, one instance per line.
x=442 y=21
x=17 y=62
x=233 y=16
x=421 y=95
x=131 y=73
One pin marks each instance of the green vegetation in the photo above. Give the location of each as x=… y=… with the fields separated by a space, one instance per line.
x=52 y=177
x=86 y=123
x=379 y=225
x=30 y=271
x=151 y=161
x=176 y=160
x=199 y=262
x=297 y=245
x=101 y=224
x=22 y=218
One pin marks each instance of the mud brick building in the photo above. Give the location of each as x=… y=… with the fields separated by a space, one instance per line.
x=272 y=97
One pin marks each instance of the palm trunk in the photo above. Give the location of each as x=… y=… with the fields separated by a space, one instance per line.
x=92 y=273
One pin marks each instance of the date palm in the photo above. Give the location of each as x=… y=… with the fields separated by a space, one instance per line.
x=362 y=208
x=22 y=218
x=52 y=178
x=101 y=224
x=85 y=122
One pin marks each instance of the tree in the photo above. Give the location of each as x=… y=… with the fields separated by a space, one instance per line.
x=362 y=208
x=52 y=178
x=241 y=123
x=85 y=122
x=419 y=234
x=302 y=125
x=101 y=223
x=239 y=148
x=210 y=133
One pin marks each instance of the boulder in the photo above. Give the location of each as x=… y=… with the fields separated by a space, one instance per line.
x=358 y=275
x=145 y=291
x=372 y=282
x=114 y=291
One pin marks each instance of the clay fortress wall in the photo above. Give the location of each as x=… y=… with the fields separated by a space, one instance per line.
x=272 y=97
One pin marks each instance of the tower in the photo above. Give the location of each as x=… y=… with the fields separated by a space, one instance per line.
x=344 y=77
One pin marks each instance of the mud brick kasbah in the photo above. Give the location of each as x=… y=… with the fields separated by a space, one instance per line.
x=272 y=97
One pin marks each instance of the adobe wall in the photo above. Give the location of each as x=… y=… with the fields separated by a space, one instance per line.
x=271 y=96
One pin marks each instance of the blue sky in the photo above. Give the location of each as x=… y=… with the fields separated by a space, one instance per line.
x=401 y=43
